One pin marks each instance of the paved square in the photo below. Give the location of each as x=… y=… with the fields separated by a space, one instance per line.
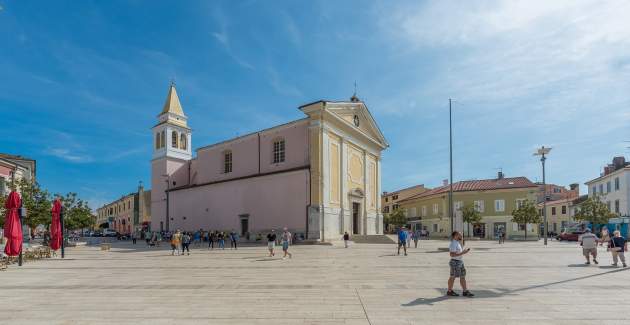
x=515 y=283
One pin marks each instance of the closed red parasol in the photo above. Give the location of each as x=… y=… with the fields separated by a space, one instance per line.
x=12 y=225
x=55 y=226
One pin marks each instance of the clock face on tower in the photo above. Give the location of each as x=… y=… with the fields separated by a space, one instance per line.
x=356 y=120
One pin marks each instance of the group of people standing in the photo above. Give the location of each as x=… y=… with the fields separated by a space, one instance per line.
x=181 y=241
x=286 y=239
x=617 y=245
x=406 y=236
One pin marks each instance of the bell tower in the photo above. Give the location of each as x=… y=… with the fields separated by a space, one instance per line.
x=171 y=150
x=172 y=136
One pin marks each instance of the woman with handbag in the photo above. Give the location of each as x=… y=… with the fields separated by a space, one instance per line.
x=617 y=246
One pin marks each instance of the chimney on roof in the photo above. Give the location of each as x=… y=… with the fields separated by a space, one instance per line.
x=444 y=182
x=608 y=169
x=500 y=175
x=618 y=162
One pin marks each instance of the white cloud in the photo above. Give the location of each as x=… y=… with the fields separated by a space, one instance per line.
x=280 y=85
x=557 y=60
x=68 y=155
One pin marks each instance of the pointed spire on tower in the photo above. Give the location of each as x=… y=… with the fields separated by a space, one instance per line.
x=172 y=105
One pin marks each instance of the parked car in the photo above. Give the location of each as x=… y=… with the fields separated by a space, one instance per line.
x=570 y=235
x=109 y=233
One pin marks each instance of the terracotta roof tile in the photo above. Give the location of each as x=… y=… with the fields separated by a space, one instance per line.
x=479 y=185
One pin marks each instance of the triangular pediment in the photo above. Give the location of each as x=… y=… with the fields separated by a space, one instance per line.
x=356 y=115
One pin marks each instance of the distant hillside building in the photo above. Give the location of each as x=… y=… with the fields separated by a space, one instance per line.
x=319 y=175
x=494 y=199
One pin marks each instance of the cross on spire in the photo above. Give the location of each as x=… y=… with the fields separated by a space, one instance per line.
x=354 y=97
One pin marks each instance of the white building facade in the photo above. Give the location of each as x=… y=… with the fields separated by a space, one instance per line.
x=613 y=188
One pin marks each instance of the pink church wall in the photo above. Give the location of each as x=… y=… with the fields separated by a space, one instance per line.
x=257 y=196
x=161 y=167
x=272 y=201
x=208 y=166
x=296 y=147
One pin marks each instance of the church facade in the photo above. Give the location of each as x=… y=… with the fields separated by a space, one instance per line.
x=319 y=176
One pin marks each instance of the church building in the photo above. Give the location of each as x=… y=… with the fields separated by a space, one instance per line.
x=319 y=176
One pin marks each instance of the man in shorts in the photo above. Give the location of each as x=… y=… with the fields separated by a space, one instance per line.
x=589 y=246
x=457 y=265
x=271 y=242
x=402 y=240
x=286 y=241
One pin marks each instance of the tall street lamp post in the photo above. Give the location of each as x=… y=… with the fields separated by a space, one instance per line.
x=167 y=201
x=450 y=191
x=542 y=151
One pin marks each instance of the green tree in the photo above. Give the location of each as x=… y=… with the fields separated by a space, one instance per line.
x=37 y=202
x=594 y=211
x=470 y=215
x=77 y=213
x=397 y=218
x=526 y=213
x=35 y=199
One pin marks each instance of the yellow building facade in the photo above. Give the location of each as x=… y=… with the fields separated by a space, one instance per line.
x=345 y=162
x=494 y=199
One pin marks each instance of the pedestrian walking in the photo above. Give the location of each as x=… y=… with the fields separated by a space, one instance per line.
x=211 y=239
x=402 y=240
x=346 y=239
x=133 y=237
x=415 y=236
x=176 y=241
x=147 y=237
x=186 y=238
x=271 y=242
x=221 y=240
x=286 y=241
x=618 y=245
x=604 y=235
x=233 y=239
x=197 y=238
x=589 y=241
x=157 y=237
x=456 y=264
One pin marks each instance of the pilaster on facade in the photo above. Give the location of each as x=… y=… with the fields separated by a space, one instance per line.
x=345 y=204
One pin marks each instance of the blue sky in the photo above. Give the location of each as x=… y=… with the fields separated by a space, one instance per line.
x=81 y=82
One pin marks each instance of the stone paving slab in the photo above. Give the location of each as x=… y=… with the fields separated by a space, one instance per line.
x=515 y=283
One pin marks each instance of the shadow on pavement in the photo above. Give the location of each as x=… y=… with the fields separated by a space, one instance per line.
x=478 y=294
x=499 y=292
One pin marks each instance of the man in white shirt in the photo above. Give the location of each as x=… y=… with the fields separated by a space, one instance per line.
x=456 y=264
x=589 y=246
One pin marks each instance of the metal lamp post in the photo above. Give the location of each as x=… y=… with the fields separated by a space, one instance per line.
x=167 y=201
x=22 y=215
x=542 y=151
x=450 y=190
x=63 y=232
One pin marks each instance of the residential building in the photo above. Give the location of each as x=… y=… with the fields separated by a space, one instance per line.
x=494 y=199
x=319 y=176
x=557 y=192
x=389 y=200
x=129 y=213
x=560 y=214
x=613 y=186
x=13 y=168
